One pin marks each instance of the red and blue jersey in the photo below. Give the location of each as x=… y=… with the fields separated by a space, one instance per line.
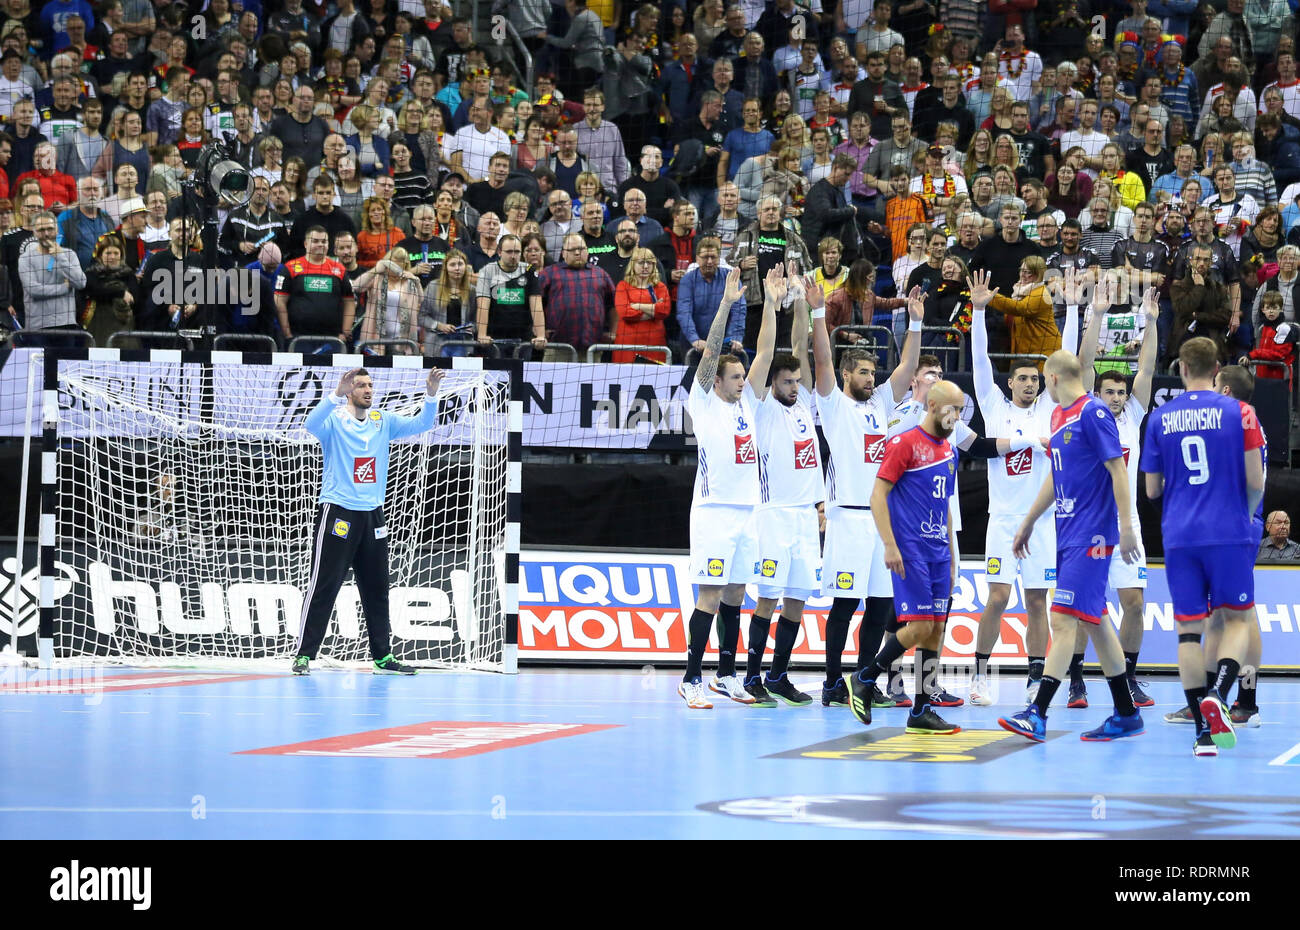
x=923 y=470
x=1198 y=441
x=1084 y=439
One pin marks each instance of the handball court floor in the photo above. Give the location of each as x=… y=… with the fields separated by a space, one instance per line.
x=129 y=753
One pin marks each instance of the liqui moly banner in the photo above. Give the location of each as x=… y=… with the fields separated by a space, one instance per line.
x=607 y=607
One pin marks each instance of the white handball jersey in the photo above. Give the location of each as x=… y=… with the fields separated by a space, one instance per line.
x=856 y=433
x=1015 y=478
x=1129 y=422
x=789 y=460
x=727 y=472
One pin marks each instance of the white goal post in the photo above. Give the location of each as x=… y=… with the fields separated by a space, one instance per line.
x=179 y=490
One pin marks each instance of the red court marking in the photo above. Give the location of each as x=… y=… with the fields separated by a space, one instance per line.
x=97 y=684
x=436 y=739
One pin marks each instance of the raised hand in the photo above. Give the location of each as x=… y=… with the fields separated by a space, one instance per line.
x=1151 y=304
x=775 y=284
x=734 y=290
x=345 y=383
x=435 y=380
x=980 y=295
x=814 y=293
x=1103 y=295
x=916 y=304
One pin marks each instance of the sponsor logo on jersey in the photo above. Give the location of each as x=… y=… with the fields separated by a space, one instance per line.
x=1142 y=573
x=844 y=580
x=1063 y=597
x=363 y=470
x=374 y=416
x=994 y=567
x=1101 y=414
x=746 y=452
x=819 y=575
x=319 y=284
x=940 y=605
x=381 y=532
x=715 y=568
x=1065 y=505
x=341 y=528
x=768 y=568
x=1049 y=574
x=805 y=453
x=874 y=448
x=1020 y=463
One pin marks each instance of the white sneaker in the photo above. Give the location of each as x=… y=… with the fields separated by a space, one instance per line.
x=981 y=691
x=730 y=686
x=694 y=694
x=1031 y=691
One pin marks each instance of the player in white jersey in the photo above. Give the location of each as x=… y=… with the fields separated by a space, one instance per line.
x=1024 y=421
x=855 y=421
x=790 y=488
x=1129 y=579
x=723 y=544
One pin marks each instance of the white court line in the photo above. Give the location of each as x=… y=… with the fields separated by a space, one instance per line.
x=133 y=712
x=1287 y=756
x=14 y=710
x=193 y=713
x=249 y=713
x=307 y=714
x=346 y=812
x=76 y=712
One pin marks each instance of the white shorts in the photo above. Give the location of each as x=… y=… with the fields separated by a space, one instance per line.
x=853 y=561
x=1122 y=575
x=1000 y=564
x=789 y=552
x=724 y=546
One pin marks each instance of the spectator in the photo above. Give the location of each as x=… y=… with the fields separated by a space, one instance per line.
x=913 y=258
x=472 y=147
x=1276 y=546
x=969 y=225
x=1275 y=340
x=585 y=42
x=447 y=225
x=508 y=300
x=448 y=302
x=599 y=241
x=675 y=249
x=1101 y=237
x=744 y=142
x=80 y=228
x=371 y=149
x=601 y=143
x=127 y=187
x=626 y=242
x=489 y=195
x=51 y=277
x=1231 y=24
x=58 y=189
x=483 y=250
x=661 y=193
x=898 y=151
x=831 y=274
x=248 y=227
x=828 y=212
x=111 y=292
x=1035 y=331
x=1254 y=178
x=856 y=304
x=1002 y=256
x=1201 y=304
x=378 y=237
x=699 y=295
x=322 y=214
x=561 y=222
x=164 y=122
x=765 y=245
x=393 y=300
x=314 y=295
x=1286 y=283
x=1234 y=212
x=641 y=300
x=634 y=206
x=79 y=149
x=566 y=162
x=696 y=155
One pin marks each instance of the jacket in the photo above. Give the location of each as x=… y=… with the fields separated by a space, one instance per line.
x=632 y=328
x=839 y=310
x=1208 y=307
x=1032 y=322
x=826 y=214
x=747 y=245
x=410 y=296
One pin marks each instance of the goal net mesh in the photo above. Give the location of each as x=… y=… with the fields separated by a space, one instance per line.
x=185 y=503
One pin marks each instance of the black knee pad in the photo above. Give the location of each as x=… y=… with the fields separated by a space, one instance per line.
x=1189 y=638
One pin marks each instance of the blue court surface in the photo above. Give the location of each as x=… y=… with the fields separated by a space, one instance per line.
x=128 y=753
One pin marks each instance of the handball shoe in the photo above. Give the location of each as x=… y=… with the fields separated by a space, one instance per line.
x=300 y=666
x=784 y=689
x=927 y=721
x=1244 y=716
x=837 y=695
x=1204 y=745
x=754 y=688
x=729 y=686
x=390 y=666
x=1140 y=697
x=1219 y=721
x=1116 y=727
x=860 y=698
x=981 y=691
x=880 y=698
x=1182 y=715
x=1028 y=723
x=694 y=694
x=942 y=698
x=1078 y=695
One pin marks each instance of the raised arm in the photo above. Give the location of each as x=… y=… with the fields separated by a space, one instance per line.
x=822 y=355
x=902 y=375
x=1150 y=347
x=708 y=366
x=980 y=295
x=799 y=328
x=1101 y=301
x=775 y=286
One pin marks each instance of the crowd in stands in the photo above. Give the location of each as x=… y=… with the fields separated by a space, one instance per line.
x=407 y=185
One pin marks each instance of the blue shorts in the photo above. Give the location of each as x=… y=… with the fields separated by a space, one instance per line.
x=1203 y=579
x=1081 y=573
x=923 y=594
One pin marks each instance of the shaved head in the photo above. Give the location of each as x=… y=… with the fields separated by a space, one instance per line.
x=943 y=393
x=943 y=407
x=1064 y=365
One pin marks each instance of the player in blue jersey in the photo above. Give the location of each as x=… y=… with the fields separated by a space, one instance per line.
x=913 y=494
x=350 y=527
x=1203 y=454
x=1089 y=485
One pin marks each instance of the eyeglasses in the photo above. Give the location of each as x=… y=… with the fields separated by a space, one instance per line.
x=581 y=248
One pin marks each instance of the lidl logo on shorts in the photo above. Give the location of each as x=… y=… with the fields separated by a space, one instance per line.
x=844 y=580
x=768 y=568
x=715 y=568
x=1063 y=597
x=1142 y=573
x=994 y=567
x=374 y=416
x=341 y=528
x=1049 y=574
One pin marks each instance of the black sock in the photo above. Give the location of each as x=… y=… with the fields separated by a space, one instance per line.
x=1046 y=691
x=1209 y=678
x=1122 y=696
x=1246 y=696
x=837 y=633
x=982 y=663
x=1036 y=664
x=889 y=653
x=1076 y=669
x=1226 y=677
x=728 y=638
x=786 y=632
x=695 y=643
x=758 y=627
x=1194 y=696
x=927 y=674
x=876 y=615
x=1130 y=664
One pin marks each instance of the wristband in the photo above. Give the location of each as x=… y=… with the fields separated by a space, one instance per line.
x=819 y=313
x=1020 y=443
x=913 y=326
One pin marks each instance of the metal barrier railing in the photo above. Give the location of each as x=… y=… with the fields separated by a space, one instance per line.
x=611 y=347
x=1008 y=356
x=563 y=348
x=150 y=338
x=412 y=347
x=317 y=345
x=472 y=346
x=694 y=355
x=41 y=338
x=887 y=346
x=245 y=342
x=959 y=348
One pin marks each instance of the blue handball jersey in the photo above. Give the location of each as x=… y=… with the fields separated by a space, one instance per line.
x=923 y=470
x=1198 y=441
x=1084 y=438
x=356 y=451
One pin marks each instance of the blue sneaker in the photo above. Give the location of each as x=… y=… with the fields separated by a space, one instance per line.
x=1116 y=727
x=1028 y=723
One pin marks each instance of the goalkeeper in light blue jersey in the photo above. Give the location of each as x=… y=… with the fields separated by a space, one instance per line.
x=350 y=527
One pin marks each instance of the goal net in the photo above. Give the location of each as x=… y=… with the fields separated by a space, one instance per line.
x=180 y=493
